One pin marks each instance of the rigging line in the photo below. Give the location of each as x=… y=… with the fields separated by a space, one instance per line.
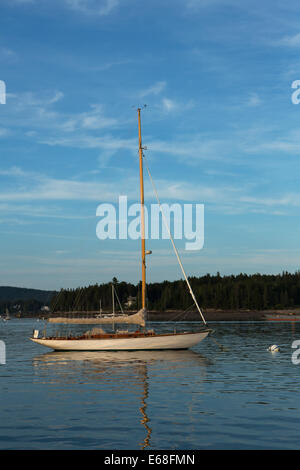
x=57 y=299
x=173 y=244
x=115 y=292
x=182 y=314
x=77 y=298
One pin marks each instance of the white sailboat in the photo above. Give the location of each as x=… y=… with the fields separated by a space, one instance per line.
x=98 y=340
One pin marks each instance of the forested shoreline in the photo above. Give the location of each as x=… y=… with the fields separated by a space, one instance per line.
x=256 y=292
x=235 y=292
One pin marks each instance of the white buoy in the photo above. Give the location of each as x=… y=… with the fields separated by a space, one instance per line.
x=274 y=348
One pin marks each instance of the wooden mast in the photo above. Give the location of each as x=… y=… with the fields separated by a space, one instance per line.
x=142 y=214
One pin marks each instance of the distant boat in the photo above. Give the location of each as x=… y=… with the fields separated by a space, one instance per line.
x=98 y=340
x=112 y=315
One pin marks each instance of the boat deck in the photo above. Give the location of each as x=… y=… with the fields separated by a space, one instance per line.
x=135 y=334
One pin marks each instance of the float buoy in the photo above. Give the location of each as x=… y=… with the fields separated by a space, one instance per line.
x=274 y=348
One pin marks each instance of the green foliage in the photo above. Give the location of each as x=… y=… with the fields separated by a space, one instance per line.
x=13 y=294
x=253 y=292
x=19 y=300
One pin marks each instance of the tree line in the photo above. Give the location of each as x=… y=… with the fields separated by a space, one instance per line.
x=234 y=292
x=21 y=307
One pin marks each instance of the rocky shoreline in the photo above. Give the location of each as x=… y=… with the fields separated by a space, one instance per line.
x=225 y=315
x=209 y=315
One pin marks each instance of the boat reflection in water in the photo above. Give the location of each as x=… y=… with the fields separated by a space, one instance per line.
x=123 y=371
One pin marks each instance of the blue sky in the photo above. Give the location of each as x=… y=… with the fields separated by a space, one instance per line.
x=220 y=128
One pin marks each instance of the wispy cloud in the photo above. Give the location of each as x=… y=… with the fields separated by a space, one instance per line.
x=87 y=7
x=288 y=143
x=108 y=143
x=191 y=149
x=32 y=210
x=193 y=4
x=36 y=116
x=92 y=7
x=290 y=41
x=155 y=89
x=30 y=186
x=30 y=99
x=39 y=187
x=169 y=105
x=15 y=171
x=37 y=112
x=93 y=119
x=253 y=100
x=174 y=106
x=35 y=187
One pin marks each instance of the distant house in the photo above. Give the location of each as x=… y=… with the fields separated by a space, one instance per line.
x=45 y=308
x=130 y=302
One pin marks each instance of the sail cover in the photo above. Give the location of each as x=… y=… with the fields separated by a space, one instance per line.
x=138 y=318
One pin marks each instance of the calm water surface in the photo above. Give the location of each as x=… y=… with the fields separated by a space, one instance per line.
x=239 y=396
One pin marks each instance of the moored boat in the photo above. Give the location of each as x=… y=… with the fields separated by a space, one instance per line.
x=124 y=340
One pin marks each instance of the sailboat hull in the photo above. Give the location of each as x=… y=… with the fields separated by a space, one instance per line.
x=168 y=341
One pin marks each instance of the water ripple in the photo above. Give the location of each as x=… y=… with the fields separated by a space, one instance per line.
x=238 y=396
